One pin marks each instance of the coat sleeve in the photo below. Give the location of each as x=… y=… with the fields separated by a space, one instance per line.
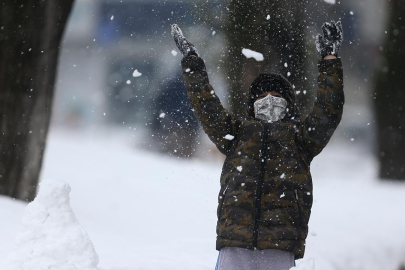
x=216 y=121
x=321 y=123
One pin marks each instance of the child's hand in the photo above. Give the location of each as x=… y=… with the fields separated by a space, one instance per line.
x=185 y=47
x=329 y=44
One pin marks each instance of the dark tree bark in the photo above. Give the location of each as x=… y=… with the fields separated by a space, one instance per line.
x=390 y=97
x=30 y=35
x=274 y=28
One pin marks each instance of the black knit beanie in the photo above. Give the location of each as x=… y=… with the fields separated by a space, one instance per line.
x=271 y=82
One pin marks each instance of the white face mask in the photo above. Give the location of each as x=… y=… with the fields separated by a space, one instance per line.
x=270 y=108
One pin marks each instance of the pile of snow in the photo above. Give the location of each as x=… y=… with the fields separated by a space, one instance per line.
x=252 y=54
x=50 y=237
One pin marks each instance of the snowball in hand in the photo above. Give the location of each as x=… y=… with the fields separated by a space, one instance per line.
x=252 y=54
x=50 y=237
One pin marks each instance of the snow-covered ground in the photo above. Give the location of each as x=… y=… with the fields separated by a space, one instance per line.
x=145 y=211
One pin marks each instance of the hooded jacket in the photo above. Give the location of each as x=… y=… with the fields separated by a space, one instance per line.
x=266 y=195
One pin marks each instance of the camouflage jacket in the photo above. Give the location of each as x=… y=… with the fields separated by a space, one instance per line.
x=266 y=195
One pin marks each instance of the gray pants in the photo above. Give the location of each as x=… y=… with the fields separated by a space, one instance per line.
x=234 y=258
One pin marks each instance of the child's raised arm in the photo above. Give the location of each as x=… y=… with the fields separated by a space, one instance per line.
x=321 y=123
x=216 y=121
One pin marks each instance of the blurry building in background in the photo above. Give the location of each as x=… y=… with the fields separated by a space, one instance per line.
x=134 y=34
x=106 y=41
x=174 y=126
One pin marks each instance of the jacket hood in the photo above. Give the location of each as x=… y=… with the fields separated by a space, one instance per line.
x=273 y=82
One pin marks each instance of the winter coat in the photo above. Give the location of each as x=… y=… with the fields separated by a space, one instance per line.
x=266 y=195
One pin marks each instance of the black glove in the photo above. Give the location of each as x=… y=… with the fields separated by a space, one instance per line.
x=330 y=42
x=193 y=64
x=185 y=47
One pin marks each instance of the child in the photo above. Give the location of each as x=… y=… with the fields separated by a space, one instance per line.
x=265 y=199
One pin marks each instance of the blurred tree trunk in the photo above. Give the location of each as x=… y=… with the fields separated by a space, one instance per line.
x=274 y=28
x=390 y=97
x=30 y=35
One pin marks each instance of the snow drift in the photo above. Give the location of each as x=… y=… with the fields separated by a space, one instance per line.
x=50 y=237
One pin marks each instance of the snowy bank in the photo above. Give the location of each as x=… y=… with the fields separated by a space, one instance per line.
x=50 y=237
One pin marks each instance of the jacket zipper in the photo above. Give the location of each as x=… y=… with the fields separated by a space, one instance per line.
x=296 y=141
x=299 y=208
x=302 y=157
x=259 y=184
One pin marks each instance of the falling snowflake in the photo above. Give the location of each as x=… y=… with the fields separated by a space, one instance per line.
x=252 y=54
x=229 y=137
x=136 y=73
